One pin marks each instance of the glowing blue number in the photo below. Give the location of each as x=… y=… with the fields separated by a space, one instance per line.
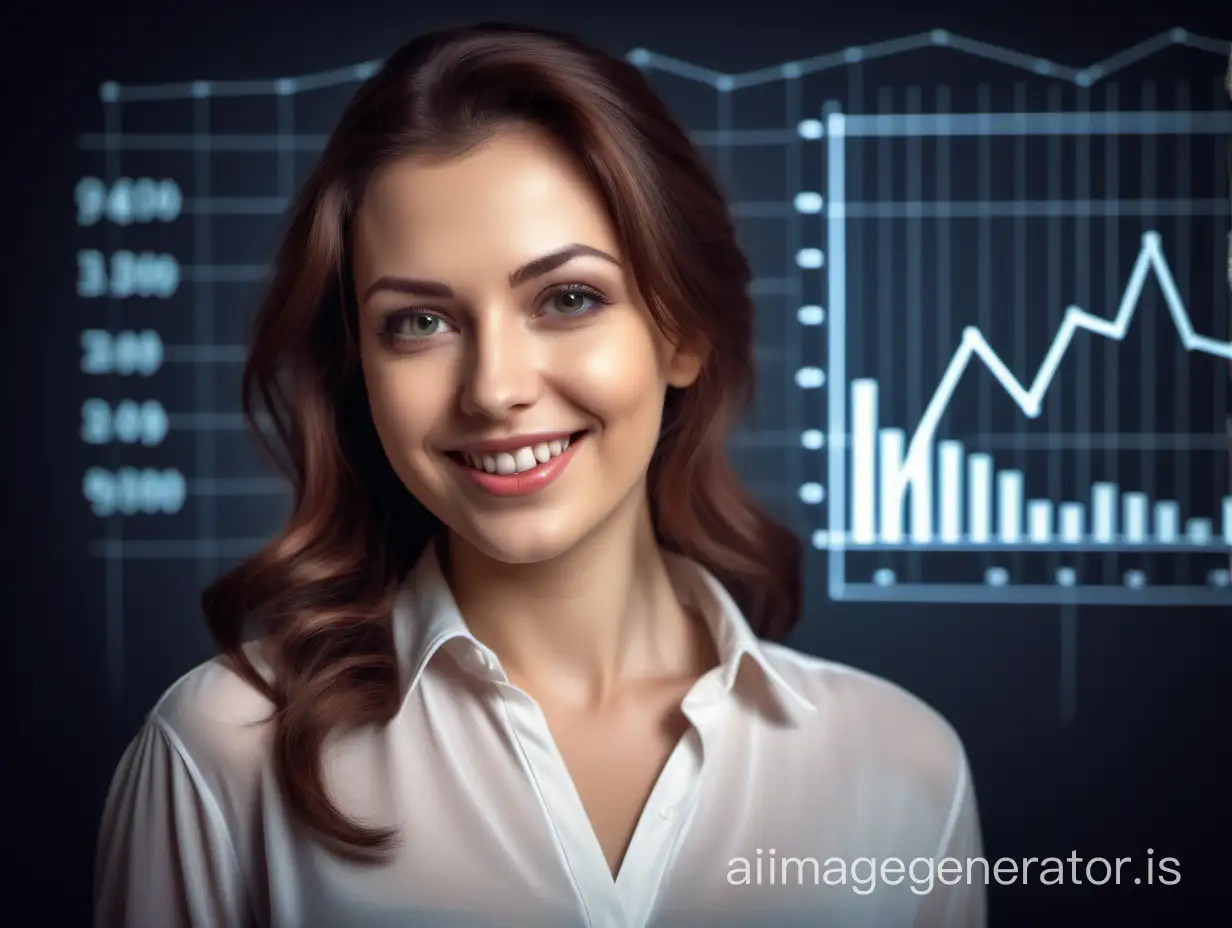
x=125 y=353
x=91 y=274
x=95 y=422
x=134 y=491
x=126 y=274
x=127 y=201
x=91 y=196
x=129 y=422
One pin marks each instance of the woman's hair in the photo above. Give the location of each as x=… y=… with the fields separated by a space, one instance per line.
x=321 y=592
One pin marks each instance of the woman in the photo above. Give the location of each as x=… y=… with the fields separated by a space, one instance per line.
x=503 y=664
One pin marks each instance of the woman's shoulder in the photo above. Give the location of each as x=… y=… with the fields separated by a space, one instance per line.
x=178 y=822
x=214 y=718
x=873 y=720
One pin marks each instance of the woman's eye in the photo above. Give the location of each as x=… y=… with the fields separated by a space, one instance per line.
x=416 y=325
x=571 y=302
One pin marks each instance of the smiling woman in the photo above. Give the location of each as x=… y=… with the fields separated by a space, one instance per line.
x=509 y=661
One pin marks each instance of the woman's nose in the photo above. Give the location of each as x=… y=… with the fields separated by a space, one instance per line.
x=501 y=369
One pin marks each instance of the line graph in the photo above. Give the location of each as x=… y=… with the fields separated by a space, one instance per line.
x=1029 y=399
x=936 y=38
x=916 y=469
x=113 y=92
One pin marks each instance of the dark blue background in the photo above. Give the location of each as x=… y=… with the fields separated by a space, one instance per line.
x=1135 y=758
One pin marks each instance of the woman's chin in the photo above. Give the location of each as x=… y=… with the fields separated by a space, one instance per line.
x=522 y=541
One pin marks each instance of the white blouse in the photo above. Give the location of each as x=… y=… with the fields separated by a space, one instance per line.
x=804 y=793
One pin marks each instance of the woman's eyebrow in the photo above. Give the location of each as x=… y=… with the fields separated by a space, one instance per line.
x=528 y=271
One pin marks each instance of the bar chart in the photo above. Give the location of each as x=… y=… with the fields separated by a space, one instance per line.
x=973 y=502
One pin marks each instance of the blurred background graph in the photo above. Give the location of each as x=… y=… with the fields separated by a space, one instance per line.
x=992 y=342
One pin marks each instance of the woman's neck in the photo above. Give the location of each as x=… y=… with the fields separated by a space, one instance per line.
x=583 y=626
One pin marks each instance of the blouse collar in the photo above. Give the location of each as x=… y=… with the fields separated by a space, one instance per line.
x=427 y=620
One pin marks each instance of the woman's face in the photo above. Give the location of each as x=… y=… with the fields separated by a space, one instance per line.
x=515 y=377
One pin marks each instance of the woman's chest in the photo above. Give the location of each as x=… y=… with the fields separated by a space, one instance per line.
x=523 y=816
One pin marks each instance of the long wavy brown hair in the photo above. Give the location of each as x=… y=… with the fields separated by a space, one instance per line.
x=320 y=594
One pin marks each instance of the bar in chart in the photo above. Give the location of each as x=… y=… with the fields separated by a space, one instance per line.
x=1167 y=521
x=1073 y=523
x=1009 y=506
x=1136 y=517
x=975 y=502
x=1039 y=520
x=949 y=470
x=980 y=471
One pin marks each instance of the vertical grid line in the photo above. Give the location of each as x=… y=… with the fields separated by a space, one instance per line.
x=1068 y=667
x=984 y=266
x=203 y=333
x=1068 y=670
x=285 y=116
x=792 y=460
x=724 y=135
x=1113 y=284
x=1148 y=319
x=1082 y=367
x=1057 y=423
x=113 y=564
x=855 y=252
x=1182 y=359
x=1020 y=286
x=837 y=345
x=883 y=285
x=945 y=257
x=286 y=146
x=914 y=376
x=1221 y=236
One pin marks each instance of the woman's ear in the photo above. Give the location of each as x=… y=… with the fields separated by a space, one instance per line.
x=684 y=366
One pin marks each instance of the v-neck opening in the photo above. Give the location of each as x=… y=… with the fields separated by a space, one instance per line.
x=635 y=885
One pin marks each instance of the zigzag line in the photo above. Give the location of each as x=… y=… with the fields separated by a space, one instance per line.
x=1029 y=400
x=111 y=92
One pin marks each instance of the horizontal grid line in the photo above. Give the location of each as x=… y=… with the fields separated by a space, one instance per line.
x=314 y=143
x=1036 y=594
x=1043 y=208
x=815 y=439
x=984 y=125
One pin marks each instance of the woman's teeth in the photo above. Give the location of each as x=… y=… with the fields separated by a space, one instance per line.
x=516 y=462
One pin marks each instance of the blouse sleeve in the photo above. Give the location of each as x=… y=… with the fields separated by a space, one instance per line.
x=957 y=901
x=165 y=856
